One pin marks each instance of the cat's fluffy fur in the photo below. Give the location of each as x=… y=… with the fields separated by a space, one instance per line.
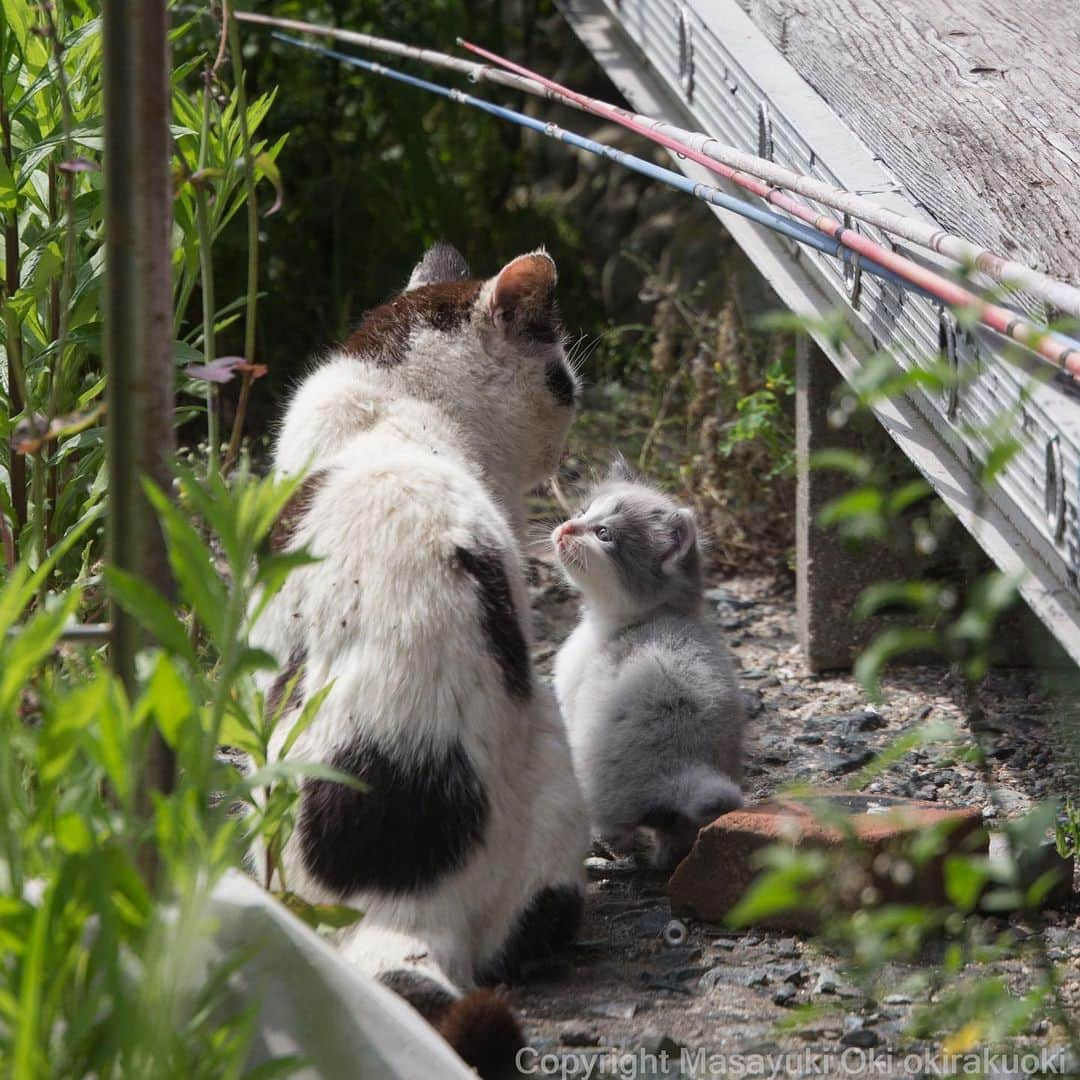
x=647 y=688
x=422 y=435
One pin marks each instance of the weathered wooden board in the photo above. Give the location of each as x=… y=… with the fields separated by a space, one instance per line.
x=974 y=106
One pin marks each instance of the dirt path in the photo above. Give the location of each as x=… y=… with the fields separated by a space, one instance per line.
x=624 y=992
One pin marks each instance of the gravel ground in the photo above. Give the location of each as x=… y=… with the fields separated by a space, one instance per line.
x=623 y=996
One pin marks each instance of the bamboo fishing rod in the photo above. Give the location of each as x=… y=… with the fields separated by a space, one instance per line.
x=795 y=230
x=1015 y=275
x=1058 y=349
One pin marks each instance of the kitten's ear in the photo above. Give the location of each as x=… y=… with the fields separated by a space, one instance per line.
x=441 y=262
x=621 y=470
x=683 y=538
x=524 y=296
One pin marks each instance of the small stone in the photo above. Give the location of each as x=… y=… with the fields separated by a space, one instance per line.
x=733 y=976
x=598 y=867
x=785 y=994
x=753 y=702
x=896 y=999
x=653 y=1042
x=787 y=947
x=671 y=959
x=828 y=982
x=863 y=1038
x=614 y=1010
x=842 y=764
x=720 y=596
x=578 y=1036
x=868 y=719
x=652 y=922
x=791 y=973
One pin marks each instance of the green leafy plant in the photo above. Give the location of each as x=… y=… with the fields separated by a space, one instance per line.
x=948 y=947
x=100 y=975
x=51 y=204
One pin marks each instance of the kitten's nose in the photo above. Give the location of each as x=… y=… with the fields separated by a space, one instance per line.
x=567 y=528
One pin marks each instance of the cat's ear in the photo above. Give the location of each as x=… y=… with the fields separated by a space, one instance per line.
x=441 y=262
x=683 y=533
x=524 y=296
x=621 y=471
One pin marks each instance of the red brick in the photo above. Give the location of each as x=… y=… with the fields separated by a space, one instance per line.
x=720 y=868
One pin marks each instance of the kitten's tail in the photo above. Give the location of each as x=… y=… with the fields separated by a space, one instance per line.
x=711 y=796
x=479 y=1026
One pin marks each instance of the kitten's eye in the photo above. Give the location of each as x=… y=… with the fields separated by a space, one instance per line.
x=603 y=533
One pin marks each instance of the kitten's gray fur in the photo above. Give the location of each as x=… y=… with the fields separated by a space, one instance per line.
x=647 y=688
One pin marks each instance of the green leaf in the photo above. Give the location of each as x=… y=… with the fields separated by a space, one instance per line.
x=1001 y=453
x=273 y=572
x=73 y=835
x=907 y=495
x=311 y=709
x=24 y=652
x=860 y=502
x=885 y=647
x=856 y=465
x=114 y=739
x=265 y=164
x=169 y=700
x=153 y=612
x=294 y=770
x=920 y=596
x=19 y=19
x=193 y=565
x=22 y=584
x=8 y=199
x=251 y=660
x=335 y=916
x=964 y=881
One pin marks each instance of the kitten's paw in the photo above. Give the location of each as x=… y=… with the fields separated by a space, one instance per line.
x=620 y=842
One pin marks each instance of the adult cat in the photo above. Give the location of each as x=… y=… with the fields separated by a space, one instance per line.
x=422 y=435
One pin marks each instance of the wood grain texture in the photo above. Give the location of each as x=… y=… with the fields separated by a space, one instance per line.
x=974 y=106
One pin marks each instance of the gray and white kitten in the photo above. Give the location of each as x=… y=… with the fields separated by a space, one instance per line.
x=646 y=687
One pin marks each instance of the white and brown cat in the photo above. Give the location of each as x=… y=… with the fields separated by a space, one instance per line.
x=420 y=437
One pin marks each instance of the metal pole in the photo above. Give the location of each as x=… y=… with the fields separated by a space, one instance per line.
x=138 y=314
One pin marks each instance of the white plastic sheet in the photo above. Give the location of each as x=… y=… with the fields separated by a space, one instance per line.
x=342 y=1023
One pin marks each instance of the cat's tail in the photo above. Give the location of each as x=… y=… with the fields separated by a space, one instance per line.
x=479 y=1026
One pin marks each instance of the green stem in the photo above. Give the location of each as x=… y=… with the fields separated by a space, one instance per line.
x=39 y=523
x=16 y=377
x=62 y=299
x=252 y=305
x=206 y=273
